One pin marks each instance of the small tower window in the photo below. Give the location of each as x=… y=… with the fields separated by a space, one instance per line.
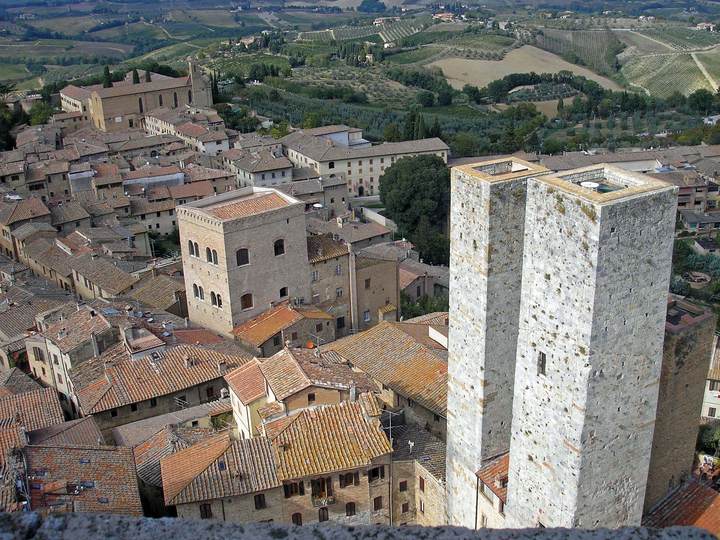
x=541 y=363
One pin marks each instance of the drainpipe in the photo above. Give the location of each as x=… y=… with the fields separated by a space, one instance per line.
x=353 y=288
x=477 y=491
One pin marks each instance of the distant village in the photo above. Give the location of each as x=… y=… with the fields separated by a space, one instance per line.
x=260 y=369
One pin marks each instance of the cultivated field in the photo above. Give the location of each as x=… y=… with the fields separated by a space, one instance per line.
x=684 y=39
x=663 y=75
x=43 y=49
x=460 y=71
x=641 y=44
x=595 y=49
x=711 y=61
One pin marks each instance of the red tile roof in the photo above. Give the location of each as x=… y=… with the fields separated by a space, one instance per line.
x=247 y=382
x=494 y=475
x=258 y=330
x=249 y=206
x=691 y=504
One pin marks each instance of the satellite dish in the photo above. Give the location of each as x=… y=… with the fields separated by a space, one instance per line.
x=590 y=185
x=317 y=206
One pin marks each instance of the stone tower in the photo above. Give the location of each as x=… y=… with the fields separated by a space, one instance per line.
x=597 y=260
x=486 y=253
x=200 y=86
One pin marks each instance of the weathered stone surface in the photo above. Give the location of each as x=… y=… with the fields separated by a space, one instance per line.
x=30 y=526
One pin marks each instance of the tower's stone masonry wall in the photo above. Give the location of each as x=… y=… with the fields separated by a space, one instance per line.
x=595 y=281
x=485 y=274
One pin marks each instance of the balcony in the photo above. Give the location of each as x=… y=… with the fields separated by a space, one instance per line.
x=322 y=500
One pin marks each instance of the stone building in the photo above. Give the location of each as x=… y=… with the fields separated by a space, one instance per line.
x=330 y=463
x=688 y=348
x=486 y=257
x=573 y=269
x=597 y=259
x=122 y=106
x=233 y=272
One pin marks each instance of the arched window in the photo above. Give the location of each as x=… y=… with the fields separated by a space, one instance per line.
x=219 y=301
x=160 y=100
x=297 y=518
x=140 y=104
x=175 y=101
x=213 y=298
x=323 y=514
x=197 y=249
x=196 y=291
x=242 y=256
x=189 y=96
x=246 y=301
x=202 y=293
x=279 y=247
x=350 y=509
x=208 y=254
x=214 y=257
x=191 y=248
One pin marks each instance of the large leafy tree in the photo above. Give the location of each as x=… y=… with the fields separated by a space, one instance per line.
x=416 y=195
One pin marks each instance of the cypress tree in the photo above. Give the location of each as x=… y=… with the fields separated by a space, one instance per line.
x=107 y=78
x=135 y=76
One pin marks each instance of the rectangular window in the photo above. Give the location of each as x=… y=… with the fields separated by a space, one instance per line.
x=311 y=398
x=260 y=501
x=153 y=402
x=133 y=407
x=338 y=292
x=403 y=485
x=366 y=315
x=376 y=473
x=367 y=283
x=318 y=327
x=422 y=506
x=541 y=363
x=377 y=503
x=205 y=511
x=340 y=323
x=714 y=385
x=712 y=412
x=405 y=508
x=421 y=482
x=293 y=489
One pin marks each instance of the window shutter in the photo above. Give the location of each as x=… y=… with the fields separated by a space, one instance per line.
x=341 y=478
x=301 y=487
x=357 y=479
x=286 y=489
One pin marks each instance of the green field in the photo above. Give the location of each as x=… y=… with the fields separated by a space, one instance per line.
x=711 y=61
x=13 y=72
x=413 y=56
x=132 y=31
x=595 y=49
x=241 y=63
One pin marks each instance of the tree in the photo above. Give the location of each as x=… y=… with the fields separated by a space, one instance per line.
x=391 y=133
x=425 y=98
x=435 y=130
x=416 y=195
x=311 y=120
x=420 y=129
x=148 y=77
x=371 y=6
x=40 y=113
x=560 y=106
x=135 y=76
x=701 y=101
x=107 y=77
x=444 y=97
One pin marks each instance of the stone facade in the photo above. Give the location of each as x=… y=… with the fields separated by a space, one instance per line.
x=595 y=276
x=689 y=332
x=264 y=276
x=486 y=253
x=241 y=509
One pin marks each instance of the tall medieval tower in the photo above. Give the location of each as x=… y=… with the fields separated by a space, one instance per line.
x=487 y=219
x=597 y=262
x=200 y=86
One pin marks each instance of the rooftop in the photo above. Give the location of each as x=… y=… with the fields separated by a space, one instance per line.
x=501 y=169
x=413 y=442
x=398 y=356
x=494 y=474
x=247 y=382
x=258 y=330
x=113 y=379
x=219 y=467
x=692 y=503
x=682 y=315
x=240 y=204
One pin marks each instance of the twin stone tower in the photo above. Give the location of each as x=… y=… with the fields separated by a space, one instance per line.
x=558 y=296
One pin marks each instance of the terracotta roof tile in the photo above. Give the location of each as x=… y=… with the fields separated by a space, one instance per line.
x=249 y=206
x=322 y=247
x=217 y=468
x=395 y=358
x=34 y=410
x=80 y=432
x=159 y=292
x=76 y=329
x=258 y=330
x=494 y=475
x=691 y=504
x=102 y=272
x=105 y=476
x=200 y=189
x=329 y=439
x=114 y=379
x=247 y=382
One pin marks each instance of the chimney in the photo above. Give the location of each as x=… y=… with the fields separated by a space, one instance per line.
x=353 y=392
x=222 y=367
x=188 y=361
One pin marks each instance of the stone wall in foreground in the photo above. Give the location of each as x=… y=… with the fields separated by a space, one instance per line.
x=31 y=526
